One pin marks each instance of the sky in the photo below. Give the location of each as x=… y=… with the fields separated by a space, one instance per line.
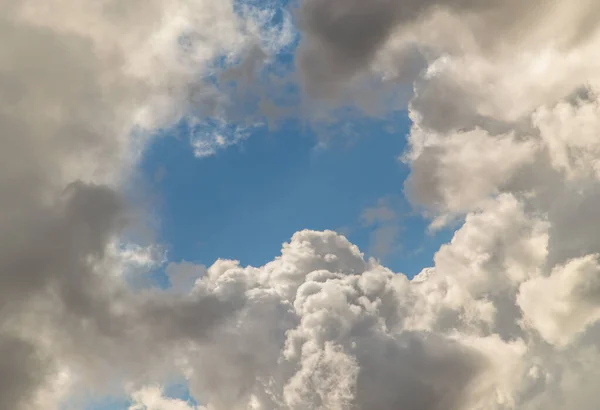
x=243 y=202
x=304 y=205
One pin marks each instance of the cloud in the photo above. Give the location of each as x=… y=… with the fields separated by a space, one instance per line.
x=21 y=371
x=322 y=328
x=208 y=138
x=151 y=398
x=504 y=117
x=384 y=237
x=343 y=38
x=82 y=87
x=182 y=276
x=454 y=172
x=564 y=304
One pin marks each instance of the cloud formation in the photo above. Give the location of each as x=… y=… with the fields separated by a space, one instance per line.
x=504 y=138
x=82 y=86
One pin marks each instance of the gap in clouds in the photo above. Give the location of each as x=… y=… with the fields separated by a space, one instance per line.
x=245 y=201
x=176 y=391
x=239 y=183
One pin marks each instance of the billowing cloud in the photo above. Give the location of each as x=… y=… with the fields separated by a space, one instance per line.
x=323 y=328
x=344 y=38
x=457 y=171
x=82 y=85
x=320 y=327
x=504 y=135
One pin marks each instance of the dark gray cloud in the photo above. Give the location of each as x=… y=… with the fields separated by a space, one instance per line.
x=70 y=93
x=416 y=372
x=345 y=38
x=22 y=371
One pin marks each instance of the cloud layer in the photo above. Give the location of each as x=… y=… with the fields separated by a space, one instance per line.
x=505 y=116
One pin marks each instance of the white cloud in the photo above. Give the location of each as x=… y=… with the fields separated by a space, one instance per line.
x=207 y=140
x=152 y=398
x=456 y=172
x=570 y=133
x=562 y=305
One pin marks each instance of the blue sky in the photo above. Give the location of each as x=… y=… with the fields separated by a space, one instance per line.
x=246 y=200
x=175 y=391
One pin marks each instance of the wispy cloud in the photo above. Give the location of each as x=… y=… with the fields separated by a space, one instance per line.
x=385 y=224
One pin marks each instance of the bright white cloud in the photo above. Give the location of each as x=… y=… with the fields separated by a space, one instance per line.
x=152 y=398
x=562 y=305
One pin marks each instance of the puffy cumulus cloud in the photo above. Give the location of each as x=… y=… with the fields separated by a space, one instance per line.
x=552 y=160
x=569 y=131
x=457 y=172
x=523 y=92
x=487 y=327
x=321 y=327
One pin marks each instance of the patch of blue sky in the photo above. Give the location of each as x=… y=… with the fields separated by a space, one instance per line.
x=178 y=390
x=244 y=202
x=236 y=184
